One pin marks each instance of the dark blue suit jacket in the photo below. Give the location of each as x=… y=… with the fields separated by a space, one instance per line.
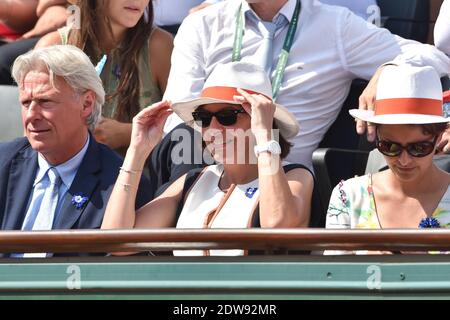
x=95 y=179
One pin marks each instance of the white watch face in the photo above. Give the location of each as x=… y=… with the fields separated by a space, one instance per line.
x=272 y=146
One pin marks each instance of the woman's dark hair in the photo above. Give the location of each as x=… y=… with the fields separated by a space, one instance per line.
x=88 y=39
x=432 y=129
x=284 y=144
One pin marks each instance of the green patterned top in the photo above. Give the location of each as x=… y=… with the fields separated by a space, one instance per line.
x=352 y=206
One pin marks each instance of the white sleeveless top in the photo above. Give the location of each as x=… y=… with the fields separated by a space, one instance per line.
x=207 y=206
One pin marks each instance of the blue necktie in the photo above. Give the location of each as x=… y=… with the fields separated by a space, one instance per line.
x=46 y=214
x=264 y=55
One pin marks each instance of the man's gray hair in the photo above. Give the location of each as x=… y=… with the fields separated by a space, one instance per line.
x=69 y=63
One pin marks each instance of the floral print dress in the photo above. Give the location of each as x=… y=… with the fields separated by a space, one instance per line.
x=352 y=206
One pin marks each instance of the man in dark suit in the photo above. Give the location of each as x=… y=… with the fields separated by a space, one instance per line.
x=58 y=177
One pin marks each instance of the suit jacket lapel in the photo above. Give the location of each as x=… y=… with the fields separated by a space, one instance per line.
x=85 y=182
x=20 y=185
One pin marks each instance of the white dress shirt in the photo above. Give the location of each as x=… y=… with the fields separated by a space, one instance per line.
x=361 y=8
x=332 y=46
x=442 y=28
x=172 y=12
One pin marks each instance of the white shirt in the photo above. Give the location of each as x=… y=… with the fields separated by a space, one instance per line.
x=172 y=12
x=442 y=28
x=361 y=8
x=207 y=206
x=332 y=46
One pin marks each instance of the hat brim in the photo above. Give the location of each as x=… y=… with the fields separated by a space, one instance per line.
x=286 y=121
x=369 y=116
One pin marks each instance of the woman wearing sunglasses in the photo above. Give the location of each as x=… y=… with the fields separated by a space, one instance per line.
x=413 y=192
x=248 y=188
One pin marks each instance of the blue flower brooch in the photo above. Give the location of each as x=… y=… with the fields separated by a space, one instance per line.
x=250 y=192
x=429 y=223
x=78 y=200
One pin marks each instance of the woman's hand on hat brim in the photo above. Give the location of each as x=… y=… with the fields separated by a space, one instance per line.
x=261 y=110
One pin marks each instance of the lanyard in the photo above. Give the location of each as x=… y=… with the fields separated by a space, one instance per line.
x=284 y=54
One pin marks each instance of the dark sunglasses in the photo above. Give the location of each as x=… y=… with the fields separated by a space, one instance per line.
x=226 y=117
x=416 y=149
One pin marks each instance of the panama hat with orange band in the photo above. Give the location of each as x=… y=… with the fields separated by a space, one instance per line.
x=406 y=95
x=221 y=86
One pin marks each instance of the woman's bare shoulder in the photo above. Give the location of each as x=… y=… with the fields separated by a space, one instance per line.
x=161 y=41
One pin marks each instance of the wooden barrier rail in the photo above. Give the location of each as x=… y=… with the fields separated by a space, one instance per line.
x=251 y=239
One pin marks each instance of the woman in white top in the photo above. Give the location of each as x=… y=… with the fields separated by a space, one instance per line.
x=246 y=189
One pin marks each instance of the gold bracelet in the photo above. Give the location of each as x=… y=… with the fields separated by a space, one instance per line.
x=127 y=186
x=130 y=171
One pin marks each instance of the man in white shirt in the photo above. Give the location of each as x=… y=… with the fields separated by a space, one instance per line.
x=331 y=47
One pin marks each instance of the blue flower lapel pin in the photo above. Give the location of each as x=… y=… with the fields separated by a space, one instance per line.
x=78 y=200
x=429 y=223
x=250 y=192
